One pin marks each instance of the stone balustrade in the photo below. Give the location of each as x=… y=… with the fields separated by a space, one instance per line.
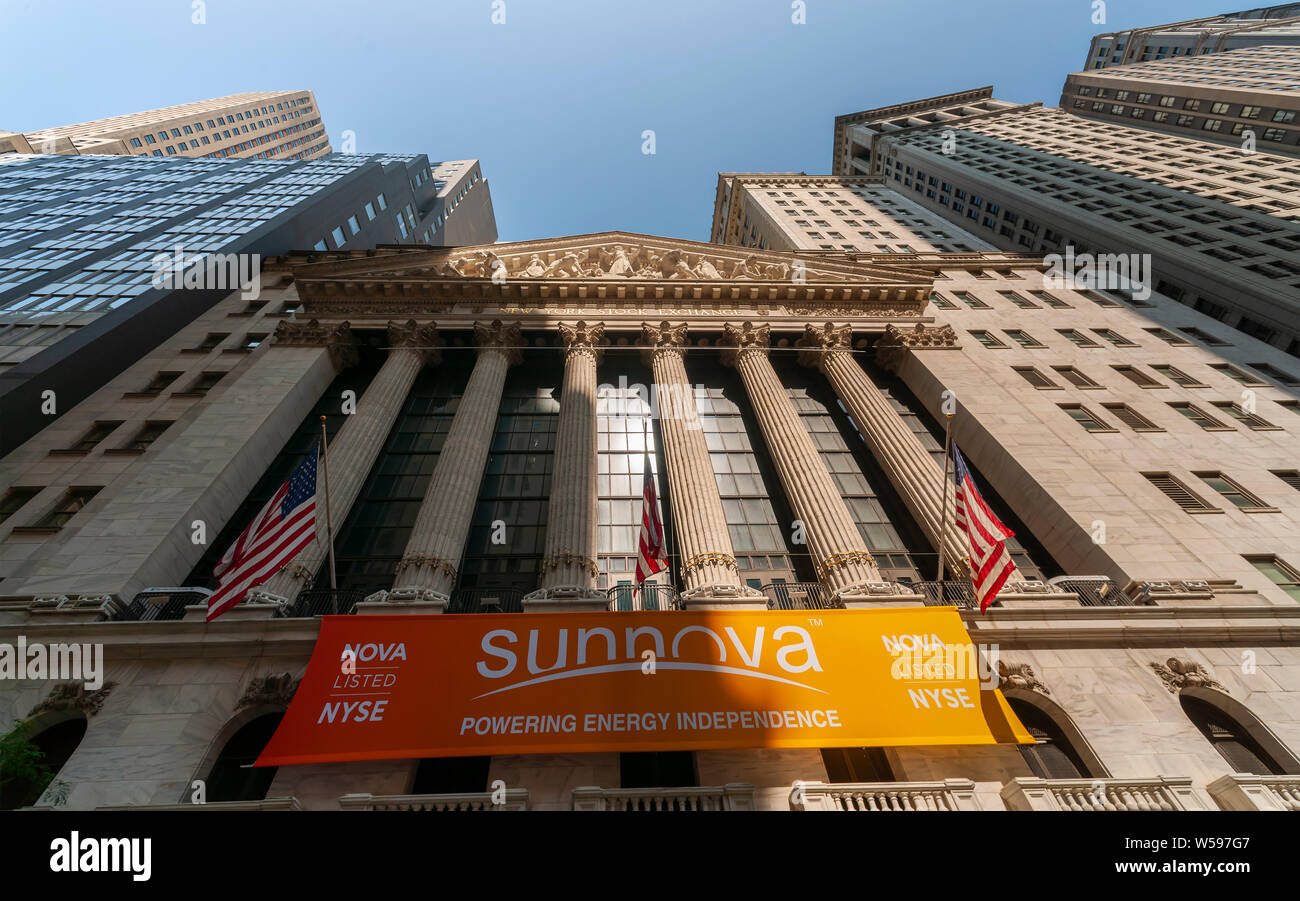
x=1154 y=793
x=515 y=799
x=1247 y=791
x=949 y=794
x=732 y=796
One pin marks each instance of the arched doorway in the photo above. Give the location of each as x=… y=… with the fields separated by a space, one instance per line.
x=233 y=777
x=34 y=758
x=1237 y=734
x=1061 y=751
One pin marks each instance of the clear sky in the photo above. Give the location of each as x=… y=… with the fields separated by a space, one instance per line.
x=554 y=102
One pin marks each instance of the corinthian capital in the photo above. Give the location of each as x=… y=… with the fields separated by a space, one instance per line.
x=423 y=338
x=337 y=337
x=894 y=344
x=663 y=338
x=817 y=343
x=745 y=338
x=499 y=336
x=584 y=337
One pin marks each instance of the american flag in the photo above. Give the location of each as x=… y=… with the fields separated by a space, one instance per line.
x=286 y=525
x=991 y=565
x=652 y=557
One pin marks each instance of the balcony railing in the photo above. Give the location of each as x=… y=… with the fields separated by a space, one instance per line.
x=799 y=596
x=650 y=596
x=732 y=796
x=1094 y=591
x=487 y=600
x=950 y=794
x=162 y=604
x=1155 y=793
x=514 y=799
x=326 y=601
x=1246 y=791
x=959 y=593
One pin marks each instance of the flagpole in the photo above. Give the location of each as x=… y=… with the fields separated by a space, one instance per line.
x=329 y=523
x=943 y=509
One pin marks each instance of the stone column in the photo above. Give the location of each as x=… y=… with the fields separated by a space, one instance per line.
x=569 y=569
x=892 y=348
x=912 y=469
x=709 y=571
x=843 y=563
x=427 y=571
x=355 y=448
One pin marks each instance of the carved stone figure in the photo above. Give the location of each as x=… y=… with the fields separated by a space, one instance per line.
x=74 y=696
x=271 y=691
x=705 y=269
x=1179 y=673
x=1020 y=675
x=620 y=264
x=567 y=266
x=748 y=268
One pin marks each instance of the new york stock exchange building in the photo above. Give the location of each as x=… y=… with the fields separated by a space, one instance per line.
x=814 y=642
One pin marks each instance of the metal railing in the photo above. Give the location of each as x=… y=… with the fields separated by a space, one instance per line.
x=650 y=596
x=486 y=600
x=1094 y=591
x=326 y=602
x=947 y=593
x=798 y=596
x=148 y=606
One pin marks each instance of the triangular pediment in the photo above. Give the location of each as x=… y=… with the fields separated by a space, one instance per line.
x=613 y=256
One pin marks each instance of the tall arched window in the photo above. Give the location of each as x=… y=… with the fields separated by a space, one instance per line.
x=55 y=744
x=232 y=777
x=1061 y=751
x=1243 y=751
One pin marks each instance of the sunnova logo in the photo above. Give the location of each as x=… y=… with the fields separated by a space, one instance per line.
x=795 y=655
x=103 y=855
x=375 y=651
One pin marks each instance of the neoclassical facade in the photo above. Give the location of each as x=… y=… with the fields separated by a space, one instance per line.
x=491 y=412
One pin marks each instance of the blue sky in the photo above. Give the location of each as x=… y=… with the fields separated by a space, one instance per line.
x=554 y=102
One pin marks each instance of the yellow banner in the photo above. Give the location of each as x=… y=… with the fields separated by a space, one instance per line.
x=452 y=685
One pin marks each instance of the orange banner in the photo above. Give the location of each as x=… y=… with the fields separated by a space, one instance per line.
x=381 y=687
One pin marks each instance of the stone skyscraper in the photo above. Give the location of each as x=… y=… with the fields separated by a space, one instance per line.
x=1269 y=25
x=269 y=125
x=1248 y=99
x=1221 y=226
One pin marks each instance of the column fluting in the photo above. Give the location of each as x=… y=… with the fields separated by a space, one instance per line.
x=355 y=448
x=839 y=554
x=708 y=562
x=429 y=566
x=570 y=561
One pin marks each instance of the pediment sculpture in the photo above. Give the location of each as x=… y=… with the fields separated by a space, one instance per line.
x=617 y=260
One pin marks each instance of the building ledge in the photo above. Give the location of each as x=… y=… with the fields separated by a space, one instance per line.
x=288 y=802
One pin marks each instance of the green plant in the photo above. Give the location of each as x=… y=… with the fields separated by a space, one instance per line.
x=22 y=764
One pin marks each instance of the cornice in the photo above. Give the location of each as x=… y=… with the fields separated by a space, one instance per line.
x=1147 y=626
